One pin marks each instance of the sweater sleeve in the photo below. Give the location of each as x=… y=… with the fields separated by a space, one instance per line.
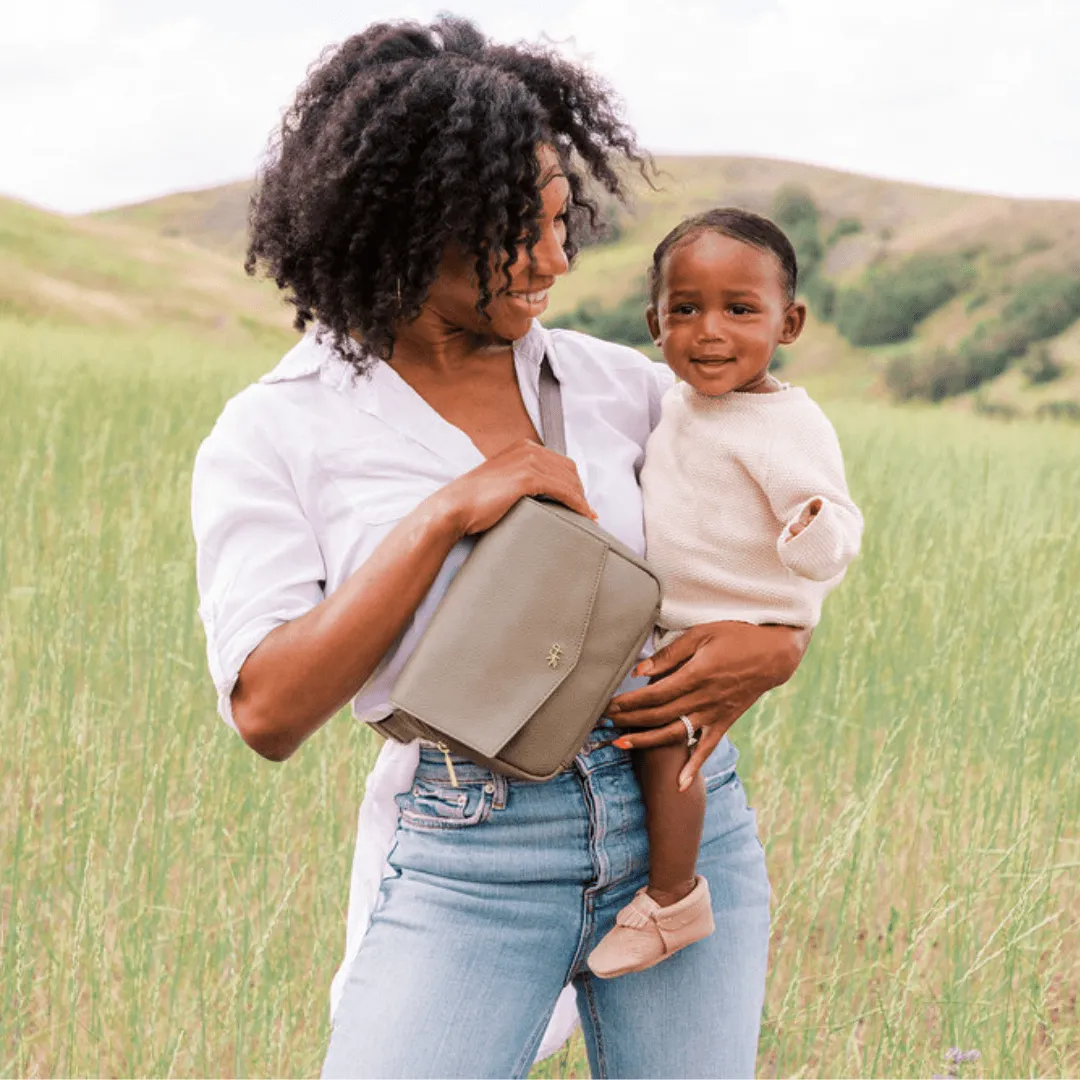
x=804 y=463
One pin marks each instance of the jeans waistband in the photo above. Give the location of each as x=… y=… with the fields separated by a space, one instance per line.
x=599 y=738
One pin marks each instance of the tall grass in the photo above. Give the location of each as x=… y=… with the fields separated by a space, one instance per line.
x=172 y=905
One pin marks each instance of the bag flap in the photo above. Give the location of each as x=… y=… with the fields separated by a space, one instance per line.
x=613 y=543
x=529 y=584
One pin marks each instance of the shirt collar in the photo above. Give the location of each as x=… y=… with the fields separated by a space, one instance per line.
x=384 y=394
x=308 y=357
x=528 y=354
x=311 y=357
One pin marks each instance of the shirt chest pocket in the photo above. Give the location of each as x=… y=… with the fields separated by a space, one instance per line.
x=376 y=481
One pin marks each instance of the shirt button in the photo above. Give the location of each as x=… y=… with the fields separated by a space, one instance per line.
x=489 y=787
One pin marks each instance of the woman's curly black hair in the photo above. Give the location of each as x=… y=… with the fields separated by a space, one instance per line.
x=407 y=137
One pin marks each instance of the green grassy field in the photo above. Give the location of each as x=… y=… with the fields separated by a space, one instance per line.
x=172 y=905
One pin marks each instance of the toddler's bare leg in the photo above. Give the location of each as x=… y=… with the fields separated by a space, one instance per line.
x=674 y=820
x=674 y=910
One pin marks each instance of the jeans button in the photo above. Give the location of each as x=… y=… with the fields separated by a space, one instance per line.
x=489 y=788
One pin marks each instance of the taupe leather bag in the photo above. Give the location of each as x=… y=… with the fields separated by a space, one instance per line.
x=536 y=631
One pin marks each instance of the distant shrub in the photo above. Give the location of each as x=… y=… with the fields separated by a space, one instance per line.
x=1041 y=307
x=987 y=352
x=940 y=377
x=901 y=378
x=1044 y=304
x=820 y=294
x=1059 y=410
x=846 y=226
x=997 y=409
x=623 y=323
x=976 y=301
x=891 y=302
x=1039 y=365
x=809 y=250
x=794 y=206
x=797 y=214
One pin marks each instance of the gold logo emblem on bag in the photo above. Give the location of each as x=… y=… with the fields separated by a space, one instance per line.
x=554 y=655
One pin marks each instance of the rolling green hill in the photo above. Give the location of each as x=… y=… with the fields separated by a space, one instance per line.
x=102 y=273
x=213 y=217
x=915 y=292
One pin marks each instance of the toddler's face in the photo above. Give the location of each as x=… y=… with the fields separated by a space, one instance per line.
x=721 y=312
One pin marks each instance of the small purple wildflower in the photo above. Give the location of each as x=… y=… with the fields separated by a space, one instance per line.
x=961 y=1057
x=958 y=1058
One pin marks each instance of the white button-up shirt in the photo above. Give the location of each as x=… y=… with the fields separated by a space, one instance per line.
x=308 y=469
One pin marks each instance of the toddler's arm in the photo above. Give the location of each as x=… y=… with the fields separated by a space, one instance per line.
x=805 y=485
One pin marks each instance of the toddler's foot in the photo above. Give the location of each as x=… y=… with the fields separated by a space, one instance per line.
x=645 y=933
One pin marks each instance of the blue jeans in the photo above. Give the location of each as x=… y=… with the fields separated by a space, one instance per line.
x=500 y=890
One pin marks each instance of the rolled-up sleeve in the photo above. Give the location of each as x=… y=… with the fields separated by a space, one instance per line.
x=258 y=562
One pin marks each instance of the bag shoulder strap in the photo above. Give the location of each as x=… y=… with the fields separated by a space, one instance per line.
x=551 y=411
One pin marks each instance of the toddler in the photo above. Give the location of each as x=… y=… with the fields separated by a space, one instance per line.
x=747 y=516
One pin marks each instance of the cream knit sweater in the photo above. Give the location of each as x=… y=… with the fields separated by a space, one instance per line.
x=723 y=480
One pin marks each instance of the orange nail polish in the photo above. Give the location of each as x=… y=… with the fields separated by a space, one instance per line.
x=623 y=743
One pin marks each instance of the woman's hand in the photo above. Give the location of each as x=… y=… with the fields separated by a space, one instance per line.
x=480 y=497
x=303 y=671
x=711 y=674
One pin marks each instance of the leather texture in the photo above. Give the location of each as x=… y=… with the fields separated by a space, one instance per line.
x=535 y=632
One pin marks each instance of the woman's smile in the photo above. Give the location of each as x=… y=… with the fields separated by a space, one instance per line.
x=535 y=302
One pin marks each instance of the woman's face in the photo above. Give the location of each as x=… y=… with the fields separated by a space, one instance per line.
x=455 y=292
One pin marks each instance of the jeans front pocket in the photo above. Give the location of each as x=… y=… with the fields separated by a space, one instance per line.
x=719 y=768
x=436 y=806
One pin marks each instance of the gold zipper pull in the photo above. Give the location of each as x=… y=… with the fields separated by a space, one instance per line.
x=449 y=764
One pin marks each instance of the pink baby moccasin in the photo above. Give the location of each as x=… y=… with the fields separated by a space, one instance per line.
x=645 y=933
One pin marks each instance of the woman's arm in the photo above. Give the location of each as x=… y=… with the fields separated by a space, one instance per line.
x=712 y=673
x=306 y=669
x=303 y=671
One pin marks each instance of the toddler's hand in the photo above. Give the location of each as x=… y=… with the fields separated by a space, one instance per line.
x=809 y=512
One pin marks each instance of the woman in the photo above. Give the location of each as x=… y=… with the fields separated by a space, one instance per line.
x=422 y=201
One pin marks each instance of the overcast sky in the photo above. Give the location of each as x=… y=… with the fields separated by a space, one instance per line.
x=110 y=101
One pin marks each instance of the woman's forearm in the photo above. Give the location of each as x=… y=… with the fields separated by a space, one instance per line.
x=303 y=671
